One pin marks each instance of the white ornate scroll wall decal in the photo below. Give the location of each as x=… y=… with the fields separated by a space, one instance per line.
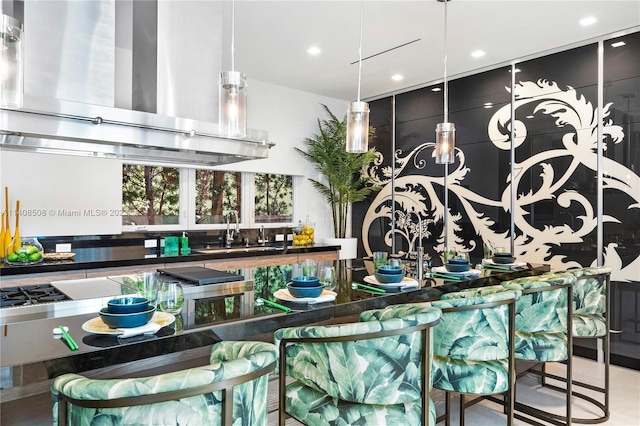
x=418 y=192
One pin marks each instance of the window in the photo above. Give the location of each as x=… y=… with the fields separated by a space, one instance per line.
x=150 y=195
x=273 y=198
x=170 y=198
x=217 y=193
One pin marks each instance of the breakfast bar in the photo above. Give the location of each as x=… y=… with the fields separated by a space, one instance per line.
x=187 y=339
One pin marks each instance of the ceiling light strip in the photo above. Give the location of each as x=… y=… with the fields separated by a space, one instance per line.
x=385 y=51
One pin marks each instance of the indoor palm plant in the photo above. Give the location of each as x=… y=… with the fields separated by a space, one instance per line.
x=343 y=183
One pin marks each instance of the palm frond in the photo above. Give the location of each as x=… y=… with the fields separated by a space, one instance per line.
x=344 y=185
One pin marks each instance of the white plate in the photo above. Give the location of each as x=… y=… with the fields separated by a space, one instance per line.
x=405 y=283
x=506 y=265
x=325 y=296
x=469 y=273
x=97 y=326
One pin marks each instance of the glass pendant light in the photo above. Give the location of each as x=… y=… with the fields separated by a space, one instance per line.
x=232 y=100
x=11 y=62
x=445 y=132
x=358 y=112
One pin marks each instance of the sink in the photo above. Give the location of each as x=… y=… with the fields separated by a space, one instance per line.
x=250 y=249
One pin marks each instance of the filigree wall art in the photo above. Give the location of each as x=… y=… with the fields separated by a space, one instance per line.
x=470 y=223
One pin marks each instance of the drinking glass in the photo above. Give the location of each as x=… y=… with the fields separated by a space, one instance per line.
x=449 y=253
x=487 y=250
x=148 y=286
x=171 y=297
x=463 y=255
x=309 y=268
x=328 y=277
x=379 y=259
x=395 y=262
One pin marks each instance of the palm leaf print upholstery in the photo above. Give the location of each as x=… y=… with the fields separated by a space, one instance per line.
x=228 y=361
x=363 y=379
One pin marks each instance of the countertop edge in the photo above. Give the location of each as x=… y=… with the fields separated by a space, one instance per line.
x=45 y=267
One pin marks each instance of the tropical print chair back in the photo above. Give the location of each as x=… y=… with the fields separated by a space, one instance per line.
x=478 y=291
x=227 y=360
x=375 y=371
x=366 y=382
x=471 y=346
x=542 y=316
x=589 y=301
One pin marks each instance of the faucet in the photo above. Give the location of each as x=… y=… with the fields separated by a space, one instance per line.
x=230 y=233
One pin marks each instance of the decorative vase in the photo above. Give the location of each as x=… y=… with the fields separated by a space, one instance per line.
x=29 y=253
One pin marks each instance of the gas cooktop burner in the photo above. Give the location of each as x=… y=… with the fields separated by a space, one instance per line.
x=30 y=295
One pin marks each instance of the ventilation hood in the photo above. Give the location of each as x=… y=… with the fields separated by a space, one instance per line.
x=72 y=128
x=117 y=80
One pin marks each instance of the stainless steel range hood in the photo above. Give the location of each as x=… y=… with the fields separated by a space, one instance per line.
x=112 y=79
x=72 y=128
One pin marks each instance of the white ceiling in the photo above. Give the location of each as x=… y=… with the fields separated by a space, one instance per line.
x=271 y=38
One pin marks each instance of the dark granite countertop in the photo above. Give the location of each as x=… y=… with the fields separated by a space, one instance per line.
x=31 y=341
x=118 y=256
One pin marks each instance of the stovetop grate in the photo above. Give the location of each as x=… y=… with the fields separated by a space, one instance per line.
x=30 y=295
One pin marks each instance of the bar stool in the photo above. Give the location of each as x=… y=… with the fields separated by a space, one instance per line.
x=591 y=321
x=543 y=323
x=376 y=371
x=474 y=348
x=232 y=389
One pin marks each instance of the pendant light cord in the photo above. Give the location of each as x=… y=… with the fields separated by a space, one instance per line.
x=446 y=84
x=360 y=49
x=233 y=35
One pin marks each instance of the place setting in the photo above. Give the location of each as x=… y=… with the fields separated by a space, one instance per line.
x=314 y=289
x=388 y=276
x=130 y=316
x=457 y=267
x=502 y=260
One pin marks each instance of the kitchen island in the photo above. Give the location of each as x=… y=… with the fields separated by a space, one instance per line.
x=34 y=356
x=30 y=354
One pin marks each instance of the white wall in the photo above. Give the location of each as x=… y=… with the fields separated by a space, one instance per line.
x=290 y=116
x=52 y=182
x=62 y=195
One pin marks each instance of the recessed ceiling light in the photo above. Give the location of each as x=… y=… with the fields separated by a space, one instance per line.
x=436 y=89
x=516 y=70
x=618 y=44
x=313 y=50
x=478 y=54
x=529 y=116
x=488 y=104
x=397 y=77
x=588 y=21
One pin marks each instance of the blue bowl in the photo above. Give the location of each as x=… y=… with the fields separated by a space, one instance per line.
x=303 y=292
x=389 y=269
x=503 y=259
x=134 y=319
x=503 y=254
x=127 y=305
x=457 y=267
x=459 y=261
x=389 y=278
x=305 y=281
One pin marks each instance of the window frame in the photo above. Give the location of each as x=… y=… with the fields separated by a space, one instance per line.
x=187 y=200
